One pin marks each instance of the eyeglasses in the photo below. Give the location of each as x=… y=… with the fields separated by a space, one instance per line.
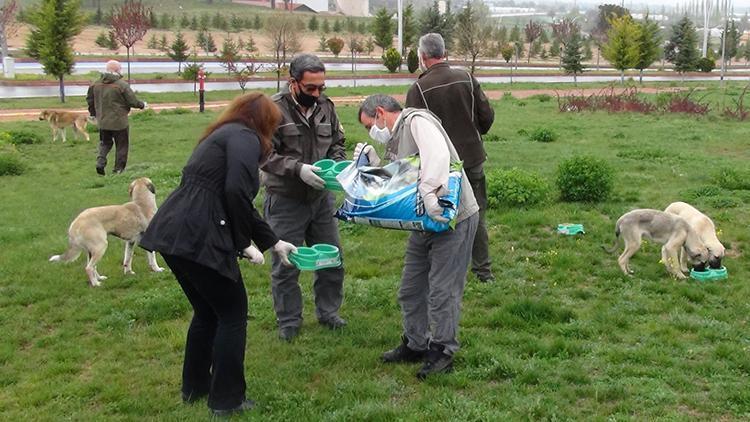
x=308 y=88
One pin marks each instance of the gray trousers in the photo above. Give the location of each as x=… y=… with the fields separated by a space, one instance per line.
x=481 y=264
x=432 y=285
x=299 y=222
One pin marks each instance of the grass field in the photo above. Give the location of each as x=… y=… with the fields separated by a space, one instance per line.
x=562 y=334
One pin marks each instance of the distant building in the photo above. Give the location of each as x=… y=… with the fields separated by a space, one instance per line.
x=297 y=5
x=353 y=7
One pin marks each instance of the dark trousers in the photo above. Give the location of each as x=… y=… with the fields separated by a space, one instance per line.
x=481 y=263
x=121 y=142
x=215 y=346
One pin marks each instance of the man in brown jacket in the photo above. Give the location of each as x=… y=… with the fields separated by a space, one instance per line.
x=110 y=100
x=297 y=207
x=455 y=97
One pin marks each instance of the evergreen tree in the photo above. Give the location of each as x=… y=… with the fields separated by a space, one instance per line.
x=733 y=41
x=681 y=49
x=544 y=37
x=55 y=23
x=322 y=43
x=152 y=42
x=200 y=39
x=501 y=35
x=648 y=41
x=382 y=29
x=409 y=28
x=473 y=31
x=163 y=43
x=515 y=34
x=178 y=51
x=443 y=24
x=573 y=57
x=154 y=21
x=250 y=46
x=184 y=22
x=337 y=26
x=621 y=50
x=210 y=45
x=258 y=23
x=362 y=27
x=165 y=22
x=554 y=49
x=313 y=24
x=204 y=22
x=351 y=26
x=236 y=22
x=326 y=26
x=412 y=61
x=194 y=23
x=229 y=55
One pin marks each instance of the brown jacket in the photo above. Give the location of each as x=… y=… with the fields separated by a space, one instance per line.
x=110 y=100
x=456 y=98
x=300 y=141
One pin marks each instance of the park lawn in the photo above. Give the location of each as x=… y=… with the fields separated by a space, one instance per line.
x=562 y=333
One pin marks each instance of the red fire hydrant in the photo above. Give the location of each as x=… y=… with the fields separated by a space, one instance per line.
x=201 y=89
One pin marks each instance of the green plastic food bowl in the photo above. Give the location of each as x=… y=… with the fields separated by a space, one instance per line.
x=709 y=274
x=324 y=165
x=570 y=229
x=316 y=257
x=340 y=166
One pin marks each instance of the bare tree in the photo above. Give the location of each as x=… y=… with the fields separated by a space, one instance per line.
x=8 y=25
x=563 y=31
x=532 y=30
x=473 y=31
x=283 y=42
x=130 y=22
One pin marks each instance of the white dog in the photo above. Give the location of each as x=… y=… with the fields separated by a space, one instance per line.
x=88 y=232
x=705 y=229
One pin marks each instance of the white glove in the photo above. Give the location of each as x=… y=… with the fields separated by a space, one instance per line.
x=92 y=120
x=284 y=249
x=252 y=254
x=433 y=208
x=145 y=105
x=307 y=174
x=369 y=151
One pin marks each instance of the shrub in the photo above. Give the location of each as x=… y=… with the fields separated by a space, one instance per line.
x=412 y=61
x=335 y=44
x=515 y=187
x=392 y=59
x=543 y=135
x=493 y=137
x=733 y=179
x=542 y=98
x=106 y=40
x=706 y=65
x=11 y=165
x=22 y=137
x=584 y=178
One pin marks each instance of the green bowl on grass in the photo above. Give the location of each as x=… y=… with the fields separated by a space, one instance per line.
x=710 y=274
x=570 y=229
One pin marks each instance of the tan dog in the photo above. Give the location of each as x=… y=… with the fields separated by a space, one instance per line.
x=705 y=229
x=672 y=231
x=88 y=232
x=60 y=119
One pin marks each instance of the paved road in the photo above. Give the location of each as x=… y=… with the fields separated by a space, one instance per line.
x=80 y=90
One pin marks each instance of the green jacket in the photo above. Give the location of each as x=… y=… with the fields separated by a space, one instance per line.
x=110 y=100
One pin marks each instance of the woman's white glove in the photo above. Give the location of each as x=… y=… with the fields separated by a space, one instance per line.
x=252 y=254
x=307 y=174
x=433 y=208
x=283 y=249
x=369 y=152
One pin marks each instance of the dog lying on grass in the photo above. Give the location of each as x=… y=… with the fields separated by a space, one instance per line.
x=60 y=119
x=88 y=232
x=672 y=231
x=706 y=230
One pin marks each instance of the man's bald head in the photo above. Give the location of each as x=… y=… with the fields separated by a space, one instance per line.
x=113 y=66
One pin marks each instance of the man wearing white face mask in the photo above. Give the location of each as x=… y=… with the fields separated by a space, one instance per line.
x=435 y=265
x=465 y=112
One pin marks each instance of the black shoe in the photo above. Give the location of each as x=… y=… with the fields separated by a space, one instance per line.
x=100 y=171
x=245 y=405
x=334 y=323
x=192 y=397
x=436 y=362
x=288 y=333
x=403 y=353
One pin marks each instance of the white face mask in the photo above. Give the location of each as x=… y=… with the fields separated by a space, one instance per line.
x=382 y=135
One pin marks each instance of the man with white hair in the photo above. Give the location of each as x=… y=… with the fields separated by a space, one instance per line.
x=110 y=100
x=456 y=98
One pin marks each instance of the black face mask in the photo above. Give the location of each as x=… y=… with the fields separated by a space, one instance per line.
x=304 y=99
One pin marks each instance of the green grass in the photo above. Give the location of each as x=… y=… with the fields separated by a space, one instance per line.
x=562 y=334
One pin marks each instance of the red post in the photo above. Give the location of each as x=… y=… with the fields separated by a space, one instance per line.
x=201 y=89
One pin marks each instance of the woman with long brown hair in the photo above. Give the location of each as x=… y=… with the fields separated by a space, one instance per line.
x=201 y=230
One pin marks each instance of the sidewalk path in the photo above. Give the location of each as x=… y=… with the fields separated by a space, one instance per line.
x=33 y=113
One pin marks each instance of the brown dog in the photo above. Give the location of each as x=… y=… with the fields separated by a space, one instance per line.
x=60 y=119
x=88 y=232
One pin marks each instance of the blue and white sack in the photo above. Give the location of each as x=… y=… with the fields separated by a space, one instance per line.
x=388 y=196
